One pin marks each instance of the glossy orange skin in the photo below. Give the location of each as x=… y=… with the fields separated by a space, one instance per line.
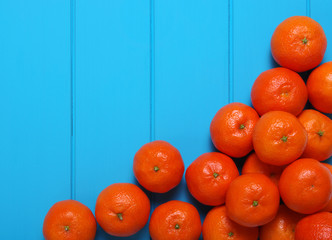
x=315 y=123
x=288 y=43
x=282 y=227
x=268 y=137
x=218 y=226
x=226 y=132
x=319 y=87
x=166 y=217
x=73 y=216
x=305 y=186
x=254 y=165
x=315 y=227
x=328 y=207
x=126 y=199
x=242 y=193
x=170 y=165
x=207 y=188
x=279 y=89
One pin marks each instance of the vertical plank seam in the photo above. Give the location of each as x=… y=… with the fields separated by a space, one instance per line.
x=308 y=8
x=152 y=84
x=73 y=98
x=152 y=72
x=230 y=53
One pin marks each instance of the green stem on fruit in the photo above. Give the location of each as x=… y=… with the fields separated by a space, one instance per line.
x=120 y=216
x=67 y=228
x=284 y=139
x=320 y=133
x=156 y=169
x=230 y=234
x=177 y=226
x=215 y=175
x=304 y=40
x=242 y=126
x=255 y=203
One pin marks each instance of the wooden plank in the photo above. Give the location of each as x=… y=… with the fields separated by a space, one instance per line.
x=319 y=11
x=254 y=24
x=112 y=94
x=191 y=78
x=35 y=113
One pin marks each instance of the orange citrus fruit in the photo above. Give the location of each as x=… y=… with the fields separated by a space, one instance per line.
x=319 y=87
x=319 y=129
x=175 y=220
x=298 y=43
x=315 y=227
x=305 y=186
x=232 y=127
x=252 y=200
x=279 y=138
x=209 y=176
x=122 y=209
x=279 y=89
x=158 y=166
x=217 y=225
x=254 y=165
x=328 y=207
x=70 y=220
x=282 y=227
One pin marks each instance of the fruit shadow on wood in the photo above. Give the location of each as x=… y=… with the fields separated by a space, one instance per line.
x=273 y=63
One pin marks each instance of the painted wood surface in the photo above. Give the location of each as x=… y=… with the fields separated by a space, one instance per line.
x=112 y=94
x=84 y=84
x=35 y=126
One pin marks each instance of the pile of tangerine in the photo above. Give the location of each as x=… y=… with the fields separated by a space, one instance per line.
x=285 y=146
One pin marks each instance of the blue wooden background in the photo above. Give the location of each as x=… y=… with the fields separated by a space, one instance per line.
x=84 y=84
